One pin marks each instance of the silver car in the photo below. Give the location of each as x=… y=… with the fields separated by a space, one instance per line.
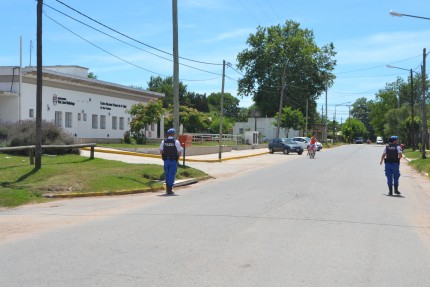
x=304 y=142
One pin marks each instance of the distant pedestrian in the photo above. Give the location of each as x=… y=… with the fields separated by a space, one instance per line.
x=392 y=155
x=170 y=150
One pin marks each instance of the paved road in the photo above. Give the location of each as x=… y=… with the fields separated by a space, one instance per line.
x=293 y=222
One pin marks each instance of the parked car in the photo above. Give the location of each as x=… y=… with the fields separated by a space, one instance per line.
x=359 y=140
x=286 y=145
x=304 y=142
x=379 y=140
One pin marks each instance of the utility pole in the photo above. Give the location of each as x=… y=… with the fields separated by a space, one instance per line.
x=326 y=118
x=412 y=113
x=175 y=66
x=221 y=111
x=280 y=101
x=38 y=149
x=423 y=107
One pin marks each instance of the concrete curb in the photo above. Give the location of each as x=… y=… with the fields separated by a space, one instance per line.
x=178 y=183
x=181 y=182
x=159 y=157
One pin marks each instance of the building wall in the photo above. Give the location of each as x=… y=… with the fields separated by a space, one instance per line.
x=83 y=110
x=264 y=126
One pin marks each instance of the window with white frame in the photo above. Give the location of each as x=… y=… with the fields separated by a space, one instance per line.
x=121 y=123
x=103 y=122
x=31 y=113
x=114 y=123
x=84 y=117
x=69 y=120
x=95 y=121
x=59 y=119
x=79 y=116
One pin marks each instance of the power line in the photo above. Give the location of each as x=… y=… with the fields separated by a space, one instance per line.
x=98 y=47
x=133 y=39
x=122 y=59
x=171 y=60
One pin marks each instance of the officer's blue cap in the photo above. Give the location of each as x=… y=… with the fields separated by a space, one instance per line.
x=171 y=131
x=393 y=138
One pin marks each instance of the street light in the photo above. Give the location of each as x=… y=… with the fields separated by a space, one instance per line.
x=334 y=118
x=412 y=131
x=424 y=138
x=396 y=14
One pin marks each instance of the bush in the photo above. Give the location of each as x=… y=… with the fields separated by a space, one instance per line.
x=24 y=133
x=127 y=138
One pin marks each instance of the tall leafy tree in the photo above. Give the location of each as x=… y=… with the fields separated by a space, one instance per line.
x=193 y=120
x=353 y=128
x=284 y=61
x=230 y=104
x=385 y=100
x=165 y=86
x=361 y=111
x=196 y=101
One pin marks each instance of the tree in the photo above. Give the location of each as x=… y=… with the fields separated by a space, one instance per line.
x=196 y=101
x=92 y=76
x=361 y=111
x=353 y=128
x=165 y=86
x=284 y=60
x=230 y=104
x=291 y=119
x=193 y=120
x=397 y=123
x=385 y=100
x=142 y=116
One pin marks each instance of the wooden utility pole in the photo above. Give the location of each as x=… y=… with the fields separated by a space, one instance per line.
x=38 y=145
x=412 y=113
x=175 y=67
x=281 y=98
x=221 y=111
x=423 y=107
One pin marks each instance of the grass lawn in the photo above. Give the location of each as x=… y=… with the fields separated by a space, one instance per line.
x=21 y=184
x=422 y=165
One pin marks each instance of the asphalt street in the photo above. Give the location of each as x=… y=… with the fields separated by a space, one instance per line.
x=267 y=220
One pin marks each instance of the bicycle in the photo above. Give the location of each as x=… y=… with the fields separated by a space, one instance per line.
x=311 y=151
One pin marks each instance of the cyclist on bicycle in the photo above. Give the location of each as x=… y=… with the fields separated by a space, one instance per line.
x=312 y=143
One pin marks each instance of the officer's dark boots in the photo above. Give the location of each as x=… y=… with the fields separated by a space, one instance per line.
x=390 y=189
x=396 y=190
x=169 y=189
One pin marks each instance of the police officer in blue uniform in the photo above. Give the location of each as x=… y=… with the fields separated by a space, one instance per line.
x=170 y=150
x=392 y=155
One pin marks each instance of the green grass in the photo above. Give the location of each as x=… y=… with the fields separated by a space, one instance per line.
x=422 y=165
x=21 y=184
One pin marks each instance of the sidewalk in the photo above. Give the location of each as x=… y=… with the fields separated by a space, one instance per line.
x=231 y=163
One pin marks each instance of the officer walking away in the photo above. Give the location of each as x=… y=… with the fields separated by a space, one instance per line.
x=170 y=150
x=392 y=155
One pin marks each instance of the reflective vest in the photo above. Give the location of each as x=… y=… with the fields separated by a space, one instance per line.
x=392 y=153
x=169 y=149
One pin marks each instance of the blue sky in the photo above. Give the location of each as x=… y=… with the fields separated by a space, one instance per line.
x=365 y=37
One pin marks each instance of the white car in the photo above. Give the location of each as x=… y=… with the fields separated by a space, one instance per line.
x=379 y=140
x=304 y=142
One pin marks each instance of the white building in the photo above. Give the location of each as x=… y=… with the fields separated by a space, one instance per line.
x=264 y=126
x=88 y=109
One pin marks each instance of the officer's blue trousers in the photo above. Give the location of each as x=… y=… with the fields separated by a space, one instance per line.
x=170 y=168
x=392 y=173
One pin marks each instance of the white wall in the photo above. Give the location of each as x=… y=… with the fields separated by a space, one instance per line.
x=265 y=126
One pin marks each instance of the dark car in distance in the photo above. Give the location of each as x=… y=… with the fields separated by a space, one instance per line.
x=359 y=140
x=286 y=145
